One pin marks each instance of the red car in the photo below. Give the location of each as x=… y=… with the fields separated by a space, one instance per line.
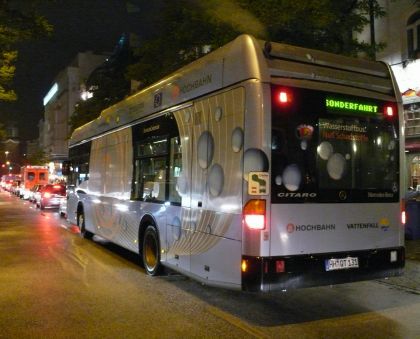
x=50 y=196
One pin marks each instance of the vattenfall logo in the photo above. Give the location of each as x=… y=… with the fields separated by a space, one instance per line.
x=310 y=228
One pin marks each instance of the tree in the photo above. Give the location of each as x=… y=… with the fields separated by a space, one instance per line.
x=187 y=26
x=18 y=22
x=107 y=83
x=37 y=158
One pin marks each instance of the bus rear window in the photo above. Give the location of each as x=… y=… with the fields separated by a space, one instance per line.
x=333 y=150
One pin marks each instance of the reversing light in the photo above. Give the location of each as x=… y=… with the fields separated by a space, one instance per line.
x=254 y=214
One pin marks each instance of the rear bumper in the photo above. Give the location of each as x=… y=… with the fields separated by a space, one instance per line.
x=309 y=270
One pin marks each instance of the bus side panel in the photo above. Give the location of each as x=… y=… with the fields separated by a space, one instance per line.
x=257 y=148
x=177 y=253
x=217 y=187
x=110 y=181
x=221 y=263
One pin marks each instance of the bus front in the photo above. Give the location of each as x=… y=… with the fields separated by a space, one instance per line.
x=335 y=212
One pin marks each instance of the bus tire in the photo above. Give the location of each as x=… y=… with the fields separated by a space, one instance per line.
x=81 y=223
x=151 y=251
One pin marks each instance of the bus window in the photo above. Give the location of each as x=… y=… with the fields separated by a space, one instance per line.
x=175 y=168
x=150 y=170
x=150 y=179
x=42 y=176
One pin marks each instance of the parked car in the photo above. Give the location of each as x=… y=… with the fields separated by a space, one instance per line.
x=50 y=195
x=34 y=190
x=62 y=208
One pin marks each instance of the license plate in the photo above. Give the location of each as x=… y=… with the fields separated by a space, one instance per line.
x=341 y=263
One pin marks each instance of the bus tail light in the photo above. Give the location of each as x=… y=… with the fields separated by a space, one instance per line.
x=389 y=111
x=254 y=214
x=403 y=214
x=284 y=97
x=244 y=265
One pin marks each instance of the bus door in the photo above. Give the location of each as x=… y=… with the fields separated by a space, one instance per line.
x=178 y=212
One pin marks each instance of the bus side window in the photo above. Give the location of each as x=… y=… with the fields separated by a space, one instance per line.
x=175 y=168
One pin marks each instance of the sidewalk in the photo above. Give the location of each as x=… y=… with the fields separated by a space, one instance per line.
x=412 y=249
x=410 y=280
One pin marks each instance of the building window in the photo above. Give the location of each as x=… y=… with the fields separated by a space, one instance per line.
x=413 y=36
x=415 y=172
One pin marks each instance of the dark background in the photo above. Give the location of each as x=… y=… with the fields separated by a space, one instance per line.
x=79 y=26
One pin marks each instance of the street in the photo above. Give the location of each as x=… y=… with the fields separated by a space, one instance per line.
x=54 y=284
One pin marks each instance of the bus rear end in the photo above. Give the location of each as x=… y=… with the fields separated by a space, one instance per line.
x=335 y=213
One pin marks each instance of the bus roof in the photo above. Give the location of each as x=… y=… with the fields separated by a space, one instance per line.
x=242 y=59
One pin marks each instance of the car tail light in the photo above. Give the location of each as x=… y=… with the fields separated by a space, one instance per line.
x=47 y=195
x=254 y=214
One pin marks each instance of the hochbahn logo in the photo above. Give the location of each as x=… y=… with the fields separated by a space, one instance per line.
x=310 y=228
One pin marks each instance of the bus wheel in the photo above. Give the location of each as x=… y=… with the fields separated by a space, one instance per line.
x=151 y=251
x=81 y=223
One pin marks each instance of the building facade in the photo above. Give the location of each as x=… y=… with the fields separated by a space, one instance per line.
x=400 y=31
x=59 y=105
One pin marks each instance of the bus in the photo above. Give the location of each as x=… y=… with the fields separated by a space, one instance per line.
x=259 y=167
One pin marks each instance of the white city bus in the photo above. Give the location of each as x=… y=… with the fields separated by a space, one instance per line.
x=260 y=166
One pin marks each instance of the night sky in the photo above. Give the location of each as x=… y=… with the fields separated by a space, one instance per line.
x=79 y=26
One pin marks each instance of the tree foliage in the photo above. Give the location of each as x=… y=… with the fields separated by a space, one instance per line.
x=187 y=25
x=188 y=29
x=19 y=21
x=37 y=158
x=107 y=83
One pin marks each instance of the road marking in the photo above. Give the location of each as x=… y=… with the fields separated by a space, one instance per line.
x=236 y=322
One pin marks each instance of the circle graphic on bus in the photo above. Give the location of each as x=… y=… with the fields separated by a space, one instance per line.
x=216 y=180
x=205 y=149
x=176 y=228
x=182 y=184
x=292 y=177
x=336 y=166
x=237 y=139
x=255 y=160
x=325 y=150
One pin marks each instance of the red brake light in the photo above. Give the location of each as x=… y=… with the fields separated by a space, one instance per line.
x=403 y=214
x=389 y=111
x=403 y=217
x=254 y=214
x=284 y=97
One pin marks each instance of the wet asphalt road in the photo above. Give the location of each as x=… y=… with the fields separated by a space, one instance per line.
x=54 y=284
